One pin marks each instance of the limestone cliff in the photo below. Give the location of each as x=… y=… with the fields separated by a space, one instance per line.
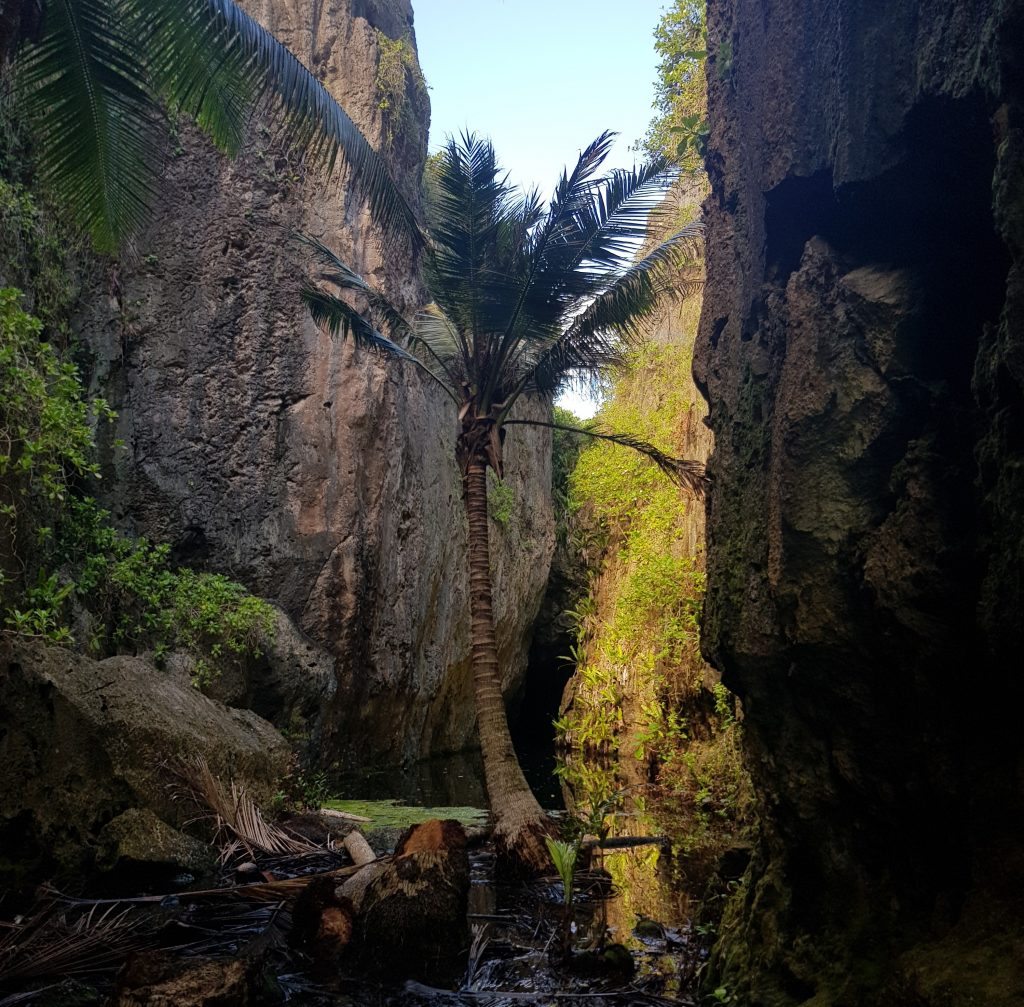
x=322 y=479
x=861 y=348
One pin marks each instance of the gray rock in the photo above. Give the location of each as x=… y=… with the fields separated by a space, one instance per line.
x=83 y=741
x=138 y=837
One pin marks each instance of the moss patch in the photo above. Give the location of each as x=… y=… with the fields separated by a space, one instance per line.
x=392 y=814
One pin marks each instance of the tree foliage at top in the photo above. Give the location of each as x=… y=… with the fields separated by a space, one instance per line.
x=679 y=129
x=97 y=74
x=526 y=297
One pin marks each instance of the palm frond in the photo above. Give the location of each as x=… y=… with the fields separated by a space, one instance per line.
x=470 y=265
x=56 y=942
x=603 y=332
x=345 y=278
x=216 y=62
x=690 y=475
x=95 y=77
x=437 y=336
x=339 y=318
x=88 y=97
x=238 y=822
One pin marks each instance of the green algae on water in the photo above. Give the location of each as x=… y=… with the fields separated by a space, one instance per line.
x=393 y=814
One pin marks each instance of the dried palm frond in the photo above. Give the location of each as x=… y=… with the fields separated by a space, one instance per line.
x=239 y=824
x=56 y=942
x=260 y=891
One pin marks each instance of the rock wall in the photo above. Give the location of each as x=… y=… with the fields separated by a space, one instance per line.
x=861 y=347
x=321 y=478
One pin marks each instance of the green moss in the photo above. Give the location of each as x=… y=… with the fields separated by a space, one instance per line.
x=392 y=814
x=501 y=500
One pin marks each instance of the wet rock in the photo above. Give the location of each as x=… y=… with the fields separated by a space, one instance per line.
x=84 y=741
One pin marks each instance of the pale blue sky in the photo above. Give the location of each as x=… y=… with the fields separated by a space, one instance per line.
x=542 y=79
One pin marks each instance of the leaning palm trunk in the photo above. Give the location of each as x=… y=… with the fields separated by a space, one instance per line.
x=524 y=300
x=519 y=823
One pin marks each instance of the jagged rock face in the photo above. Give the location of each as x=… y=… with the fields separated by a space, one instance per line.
x=323 y=479
x=861 y=348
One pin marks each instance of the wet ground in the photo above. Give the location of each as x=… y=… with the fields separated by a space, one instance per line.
x=629 y=931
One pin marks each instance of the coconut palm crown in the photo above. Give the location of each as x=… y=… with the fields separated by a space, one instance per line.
x=96 y=76
x=526 y=298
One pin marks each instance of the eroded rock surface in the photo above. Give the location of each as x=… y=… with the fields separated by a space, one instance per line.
x=323 y=479
x=861 y=349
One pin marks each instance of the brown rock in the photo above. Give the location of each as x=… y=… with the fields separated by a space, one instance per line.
x=82 y=741
x=320 y=478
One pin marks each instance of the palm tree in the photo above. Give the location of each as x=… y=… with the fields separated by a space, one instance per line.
x=525 y=298
x=96 y=74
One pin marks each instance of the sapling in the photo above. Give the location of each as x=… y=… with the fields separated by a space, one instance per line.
x=563 y=856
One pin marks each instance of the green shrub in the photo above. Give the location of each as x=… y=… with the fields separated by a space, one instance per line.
x=139 y=602
x=55 y=546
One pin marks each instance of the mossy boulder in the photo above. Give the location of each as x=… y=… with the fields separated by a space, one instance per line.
x=83 y=741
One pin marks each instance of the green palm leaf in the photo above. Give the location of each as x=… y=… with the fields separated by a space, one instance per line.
x=89 y=99
x=341 y=319
x=95 y=79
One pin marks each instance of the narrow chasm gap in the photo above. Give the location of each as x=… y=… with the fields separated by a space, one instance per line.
x=548 y=671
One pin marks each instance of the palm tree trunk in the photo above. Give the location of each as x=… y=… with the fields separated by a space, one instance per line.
x=519 y=823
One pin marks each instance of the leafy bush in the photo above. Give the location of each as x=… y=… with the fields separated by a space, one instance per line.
x=139 y=602
x=55 y=547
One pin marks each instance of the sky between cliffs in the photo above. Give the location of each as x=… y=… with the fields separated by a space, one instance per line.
x=541 y=78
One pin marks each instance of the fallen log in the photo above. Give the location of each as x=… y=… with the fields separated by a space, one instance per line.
x=344 y=815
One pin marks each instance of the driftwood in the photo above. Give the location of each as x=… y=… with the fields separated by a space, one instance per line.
x=346 y=816
x=359 y=849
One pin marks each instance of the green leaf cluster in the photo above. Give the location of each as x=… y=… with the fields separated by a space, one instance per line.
x=139 y=601
x=679 y=130
x=501 y=500
x=45 y=421
x=398 y=73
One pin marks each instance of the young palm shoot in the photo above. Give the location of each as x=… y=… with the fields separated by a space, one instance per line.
x=526 y=299
x=563 y=856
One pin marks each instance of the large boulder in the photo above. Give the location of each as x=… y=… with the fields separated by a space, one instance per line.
x=83 y=741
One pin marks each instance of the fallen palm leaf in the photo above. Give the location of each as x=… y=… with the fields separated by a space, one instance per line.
x=260 y=891
x=50 y=944
x=239 y=823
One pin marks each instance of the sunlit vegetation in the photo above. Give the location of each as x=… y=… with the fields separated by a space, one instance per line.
x=679 y=130
x=647 y=714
